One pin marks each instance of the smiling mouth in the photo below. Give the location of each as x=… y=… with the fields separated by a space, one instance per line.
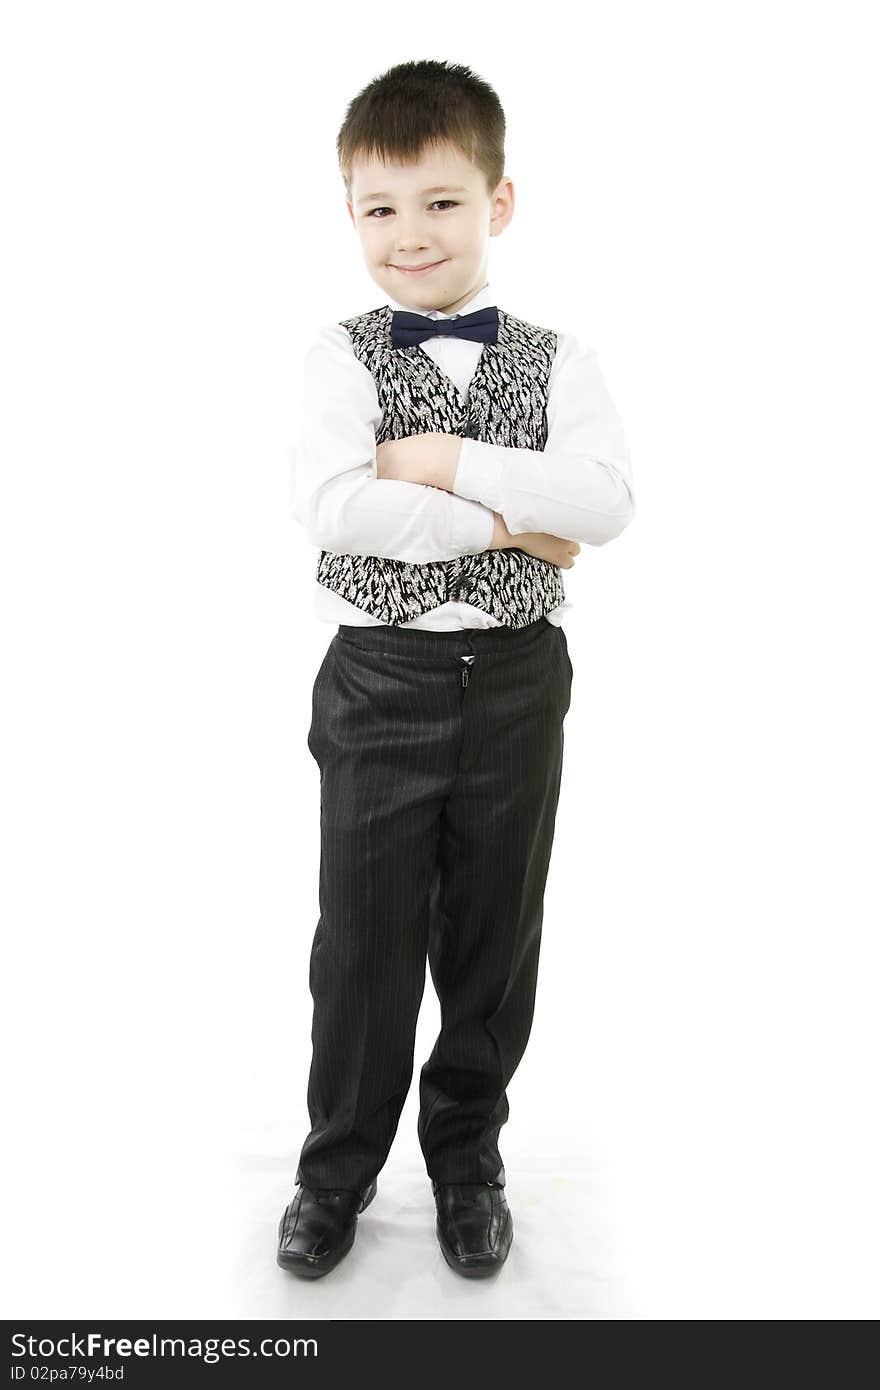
x=417 y=269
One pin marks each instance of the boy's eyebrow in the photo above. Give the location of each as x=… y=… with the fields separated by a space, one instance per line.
x=444 y=188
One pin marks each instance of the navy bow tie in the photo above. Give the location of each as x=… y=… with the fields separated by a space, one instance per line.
x=409 y=329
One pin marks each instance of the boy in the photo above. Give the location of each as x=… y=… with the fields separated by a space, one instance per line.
x=452 y=458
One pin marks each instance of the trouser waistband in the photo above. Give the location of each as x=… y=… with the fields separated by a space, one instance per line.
x=420 y=642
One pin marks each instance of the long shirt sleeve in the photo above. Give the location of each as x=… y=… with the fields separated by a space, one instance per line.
x=335 y=494
x=579 y=486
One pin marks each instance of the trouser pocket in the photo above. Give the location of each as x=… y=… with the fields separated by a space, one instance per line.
x=318 y=689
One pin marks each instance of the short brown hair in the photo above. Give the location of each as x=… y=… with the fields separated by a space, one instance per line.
x=417 y=104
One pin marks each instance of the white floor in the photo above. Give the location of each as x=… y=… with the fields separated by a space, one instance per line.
x=184 y=1229
x=669 y=1154
x=558 y=1266
x=172 y=1212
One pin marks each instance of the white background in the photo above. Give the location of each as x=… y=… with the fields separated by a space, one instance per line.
x=693 y=1129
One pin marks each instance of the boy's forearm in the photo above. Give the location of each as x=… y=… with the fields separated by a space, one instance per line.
x=432 y=460
x=501 y=537
x=565 y=494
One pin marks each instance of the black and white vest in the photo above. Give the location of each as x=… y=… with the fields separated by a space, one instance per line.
x=507 y=405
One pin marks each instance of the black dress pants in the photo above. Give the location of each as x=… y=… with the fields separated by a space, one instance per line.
x=440 y=757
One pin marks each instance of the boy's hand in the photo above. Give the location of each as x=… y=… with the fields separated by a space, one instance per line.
x=431 y=459
x=556 y=549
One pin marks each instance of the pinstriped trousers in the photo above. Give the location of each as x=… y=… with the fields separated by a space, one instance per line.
x=440 y=756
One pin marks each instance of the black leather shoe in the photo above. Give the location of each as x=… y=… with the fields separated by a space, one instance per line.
x=318 y=1227
x=474 y=1226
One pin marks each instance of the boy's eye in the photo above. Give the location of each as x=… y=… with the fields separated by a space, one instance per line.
x=449 y=201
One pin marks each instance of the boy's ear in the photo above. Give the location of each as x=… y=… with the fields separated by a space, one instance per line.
x=503 y=200
x=350 y=211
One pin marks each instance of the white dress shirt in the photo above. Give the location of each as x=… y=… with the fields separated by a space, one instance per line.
x=579 y=487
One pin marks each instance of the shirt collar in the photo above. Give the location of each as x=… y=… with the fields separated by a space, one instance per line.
x=480 y=300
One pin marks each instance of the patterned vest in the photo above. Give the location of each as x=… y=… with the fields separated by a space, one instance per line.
x=507 y=403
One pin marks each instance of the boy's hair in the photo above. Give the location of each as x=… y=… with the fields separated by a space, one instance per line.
x=417 y=104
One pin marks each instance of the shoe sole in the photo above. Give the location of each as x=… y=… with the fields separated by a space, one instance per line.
x=312 y=1267
x=478 y=1266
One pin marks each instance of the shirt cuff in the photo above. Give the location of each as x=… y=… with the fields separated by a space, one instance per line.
x=471 y=526
x=478 y=475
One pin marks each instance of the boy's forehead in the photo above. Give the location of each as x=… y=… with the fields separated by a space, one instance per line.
x=433 y=168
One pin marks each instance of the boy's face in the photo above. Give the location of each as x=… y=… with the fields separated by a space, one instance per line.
x=434 y=213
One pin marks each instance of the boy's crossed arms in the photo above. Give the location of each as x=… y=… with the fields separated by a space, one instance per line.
x=433 y=459
x=436 y=496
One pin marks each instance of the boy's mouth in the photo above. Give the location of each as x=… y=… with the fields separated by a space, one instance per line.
x=418 y=269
